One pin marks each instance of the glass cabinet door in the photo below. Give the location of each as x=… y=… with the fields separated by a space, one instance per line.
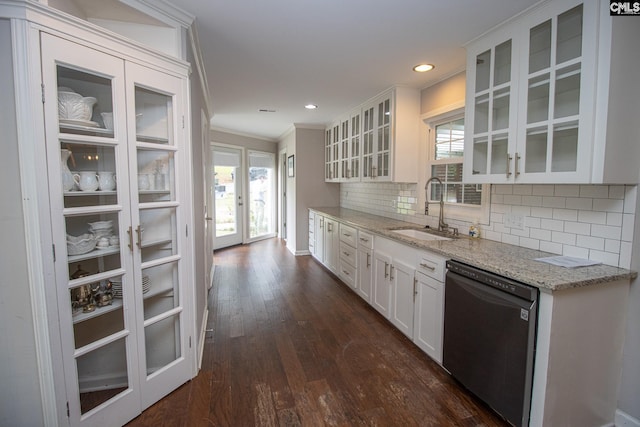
x=90 y=213
x=327 y=155
x=493 y=111
x=553 y=94
x=367 y=143
x=345 y=170
x=354 y=147
x=158 y=228
x=383 y=139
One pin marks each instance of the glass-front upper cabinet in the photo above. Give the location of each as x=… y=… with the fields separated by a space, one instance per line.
x=367 y=143
x=531 y=89
x=354 y=146
x=551 y=127
x=491 y=105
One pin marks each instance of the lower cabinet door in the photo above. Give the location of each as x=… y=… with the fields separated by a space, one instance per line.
x=381 y=295
x=365 y=274
x=402 y=276
x=428 y=320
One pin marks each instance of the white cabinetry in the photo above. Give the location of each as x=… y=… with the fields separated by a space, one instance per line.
x=429 y=305
x=120 y=303
x=381 y=293
x=396 y=282
x=312 y=233
x=348 y=255
x=379 y=140
x=539 y=90
x=331 y=244
x=365 y=265
x=318 y=224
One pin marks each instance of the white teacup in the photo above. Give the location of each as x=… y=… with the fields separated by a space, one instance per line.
x=86 y=181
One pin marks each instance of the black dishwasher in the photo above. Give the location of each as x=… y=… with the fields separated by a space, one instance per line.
x=489 y=338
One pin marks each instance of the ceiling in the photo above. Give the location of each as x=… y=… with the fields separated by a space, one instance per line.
x=280 y=55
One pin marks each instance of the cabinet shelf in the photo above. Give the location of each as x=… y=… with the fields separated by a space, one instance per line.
x=96 y=253
x=86 y=130
x=89 y=193
x=99 y=311
x=152 y=139
x=156 y=242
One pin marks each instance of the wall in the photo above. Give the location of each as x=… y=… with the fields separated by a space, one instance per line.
x=199 y=234
x=20 y=398
x=307 y=188
x=249 y=142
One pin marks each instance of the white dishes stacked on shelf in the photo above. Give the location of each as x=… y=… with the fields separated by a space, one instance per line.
x=116 y=286
x=101 y=228
x=146 y=284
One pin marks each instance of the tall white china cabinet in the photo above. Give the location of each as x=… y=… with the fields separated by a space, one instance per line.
x=110 y=131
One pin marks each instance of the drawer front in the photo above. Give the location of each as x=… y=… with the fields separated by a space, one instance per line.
x=432 y=265
x=365 y=240
x=348 y=254
x=348 y=235
x=348 y=274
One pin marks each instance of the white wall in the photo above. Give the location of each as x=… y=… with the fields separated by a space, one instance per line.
x=202 y=265
x=20 y=400
x=307 y=188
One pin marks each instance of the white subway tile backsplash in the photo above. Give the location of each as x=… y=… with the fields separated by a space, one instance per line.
x=554 y=248
x=542 y=190
x=530 y=243
x=611 y=245
x=542 y=212
x=540 y=234
x=567 y=190
x=616 y=191
x=604 y=257
x=579 y=203
x=552 y=224
x=511 y=239
x=630 y=199
x=532 y=200
x=608 y=205
x=523 y=190
x=590 y=242
x=606 y=231
x=530 y=221
x=627 y=227
x=614 y=218
x=564 y=238
x=594 y=191
x=625 y=254
x=592 y=217
x=577 y=228
x=565 y=214
x=574 y=251
x=587 y=221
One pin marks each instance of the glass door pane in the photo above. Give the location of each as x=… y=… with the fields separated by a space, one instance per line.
x=228 y=196
x=261 y=194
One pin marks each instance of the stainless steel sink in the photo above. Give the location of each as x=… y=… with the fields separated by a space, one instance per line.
x=419 y=235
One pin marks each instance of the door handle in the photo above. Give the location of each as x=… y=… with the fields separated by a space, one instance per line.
x=516 y=164
x=368 y=260
x=509 y=158
x=391 y=272
x=386 y=270
x=208 y=218
x=139 y=234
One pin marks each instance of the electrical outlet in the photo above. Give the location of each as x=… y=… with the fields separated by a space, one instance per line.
x=513 y=220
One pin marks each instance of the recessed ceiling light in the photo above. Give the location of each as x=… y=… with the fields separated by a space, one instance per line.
x=311 y=106
x=421 y=68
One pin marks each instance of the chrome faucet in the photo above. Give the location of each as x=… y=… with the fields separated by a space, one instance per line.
x=442 y=226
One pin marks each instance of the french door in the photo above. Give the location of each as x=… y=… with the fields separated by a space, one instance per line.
x=227 y=171
x=118 y=211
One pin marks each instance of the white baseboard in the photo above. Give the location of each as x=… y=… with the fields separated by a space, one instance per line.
x=623 y=419
x=300 y=253
x=203 y=332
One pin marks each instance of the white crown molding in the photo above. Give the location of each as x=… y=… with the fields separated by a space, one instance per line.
x=163 y=11
x=199 y=66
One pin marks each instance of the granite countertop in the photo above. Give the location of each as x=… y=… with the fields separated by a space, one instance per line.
x=506 y=260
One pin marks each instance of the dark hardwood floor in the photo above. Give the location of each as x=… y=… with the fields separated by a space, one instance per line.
x=291 y=345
